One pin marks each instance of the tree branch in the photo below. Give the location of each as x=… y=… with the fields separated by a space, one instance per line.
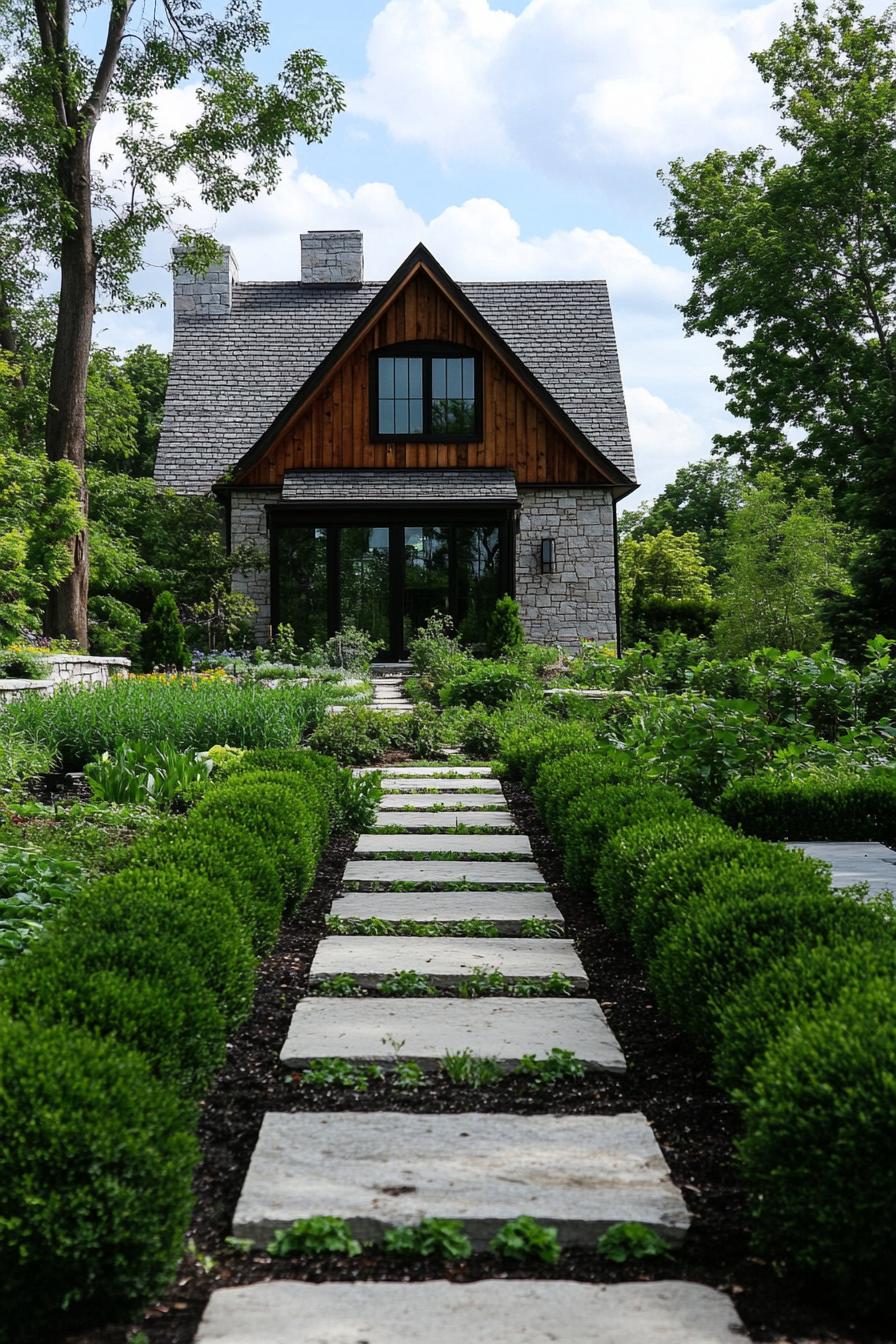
x=48 y=44
x=118 y=20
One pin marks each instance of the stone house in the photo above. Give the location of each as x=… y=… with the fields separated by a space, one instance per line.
x=403 y=448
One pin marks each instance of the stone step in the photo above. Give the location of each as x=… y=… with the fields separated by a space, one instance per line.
x=481 y=771
x=445 y=960
x=447 y=821
x=393 y=784
x=491 y=1311
x=425 y=1030
x=505 y=909
x=400 y=802
x=384 y=1169
x=457 y=843
x=447 y=872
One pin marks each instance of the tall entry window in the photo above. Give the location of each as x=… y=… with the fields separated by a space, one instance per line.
x=430 y=392
x=389 y=576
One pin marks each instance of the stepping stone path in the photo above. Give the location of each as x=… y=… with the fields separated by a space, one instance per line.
x=380 y=1169
x=388 y=693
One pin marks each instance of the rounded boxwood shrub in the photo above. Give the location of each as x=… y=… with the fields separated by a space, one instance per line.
x=524 y=749
x=175 y=1024
x=819 y=1148
x=628 y=854
x=593 y=818
x=323 y=773
x=739 y=923
x=277 y=810
x=825 y=805
x=676 y=876
x=563 y=781
x=124 y=923
x=807 y=979
x=487 y=683
x=230 y=856
x=96 y=1163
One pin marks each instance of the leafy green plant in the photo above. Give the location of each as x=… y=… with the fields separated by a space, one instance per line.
x=345 y=1073
x=32 y=887
x=631 y=1241
x=491 y=684
x=19 y=665
x=444 y=1237
x=542 y=928
x=482 y=981
x=21 y=759
x=407 y=1073
x=341 y=986
x=525 y=1239
x=406 y=985
x=319 y=1235
x=504 y=633
x=555 y=985
x=556 y=1067
x=469 y=1070
x=139 y=772
x=474 y=928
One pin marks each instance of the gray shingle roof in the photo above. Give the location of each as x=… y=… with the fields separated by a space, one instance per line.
x=232 y=375
x=400 y=484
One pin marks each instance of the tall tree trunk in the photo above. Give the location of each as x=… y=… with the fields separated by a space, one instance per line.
x=66 y=430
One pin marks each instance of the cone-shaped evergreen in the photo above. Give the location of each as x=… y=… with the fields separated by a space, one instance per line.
x=504 y=634
x=163 y=641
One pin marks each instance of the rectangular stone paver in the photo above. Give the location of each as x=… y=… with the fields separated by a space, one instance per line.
x=425 y=1030
x=443 y=844
x=482 y=771
x=448 y=821
x=409 y=785
x=854 y=861
x=447 y=872
x=491 y=1311
x=400 y=802
x=376 y=1170
x=445 y=960
x=505 y=909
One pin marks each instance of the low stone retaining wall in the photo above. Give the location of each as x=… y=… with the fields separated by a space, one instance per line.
x=66 y=669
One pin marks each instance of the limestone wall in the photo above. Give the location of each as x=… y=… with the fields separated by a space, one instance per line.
x=248 y=525
x=71 y=669
x=577 y=601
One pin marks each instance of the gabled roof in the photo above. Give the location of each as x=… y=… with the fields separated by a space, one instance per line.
x=237 y=380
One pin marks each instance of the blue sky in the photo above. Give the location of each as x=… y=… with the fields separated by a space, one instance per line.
x=517 y=139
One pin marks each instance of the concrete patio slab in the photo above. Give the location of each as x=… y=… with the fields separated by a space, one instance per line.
x=505 y=909
x=457 y=843
x=446 y=960
x=401 y=802
x=447 y=872
x=447 y=821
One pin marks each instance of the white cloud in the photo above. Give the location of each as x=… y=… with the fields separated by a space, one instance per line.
x=664 y=439
x=568 y=84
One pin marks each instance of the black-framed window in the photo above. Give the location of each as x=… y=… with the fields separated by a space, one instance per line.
x=425 y=391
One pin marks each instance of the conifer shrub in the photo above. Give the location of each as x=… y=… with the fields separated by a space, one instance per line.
x=96 y=1163
x=504 y=633
x=794 y=987
x=628 y=854
x=163 y=643
x=819 y=1148
x=734 y=928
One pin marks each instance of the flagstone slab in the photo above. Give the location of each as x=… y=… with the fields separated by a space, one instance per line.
x=401 y=802
x=443 y=844
x=425 y=1030
x=445 y=960
x=447 y=872
x=406 y=784
x=491 y=1311
x=505 y=909
x=854 y=861
x=379 y=1169
x=447 y=821
x=483 y=771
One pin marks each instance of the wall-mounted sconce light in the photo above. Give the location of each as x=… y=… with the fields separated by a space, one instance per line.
x=548 y=555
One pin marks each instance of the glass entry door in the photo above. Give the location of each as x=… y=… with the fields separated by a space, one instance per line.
x=364 y=587
x=427 y=566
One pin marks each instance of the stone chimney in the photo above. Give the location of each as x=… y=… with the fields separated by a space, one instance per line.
x=333 y=257
x=207 y=295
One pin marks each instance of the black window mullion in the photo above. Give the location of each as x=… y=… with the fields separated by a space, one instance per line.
x=427 y=394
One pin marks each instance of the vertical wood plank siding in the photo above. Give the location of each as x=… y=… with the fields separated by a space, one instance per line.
x=334 y=429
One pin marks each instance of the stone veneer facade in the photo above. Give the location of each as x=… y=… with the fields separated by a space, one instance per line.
x=66 y=669
x=577 y=601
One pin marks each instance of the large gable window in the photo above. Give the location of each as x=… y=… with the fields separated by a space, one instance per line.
x=425 y=392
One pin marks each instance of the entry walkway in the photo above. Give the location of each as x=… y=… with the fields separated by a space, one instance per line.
x=579 y=1174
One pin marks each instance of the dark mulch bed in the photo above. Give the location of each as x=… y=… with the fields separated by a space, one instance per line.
x=666 y=1079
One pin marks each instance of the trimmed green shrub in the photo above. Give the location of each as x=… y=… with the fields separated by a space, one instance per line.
x=228 y=854
x=819 y=1149
x=628 y=854
x=735 y=927
x=525 y=749
x=325 y=773
x=592 y=819
x=676 y=876
x=504 y=633
x=808 y=979
x=487 y=683
x=175 y=1024
x=828 y=805
x=358 y=736
x=565 y=780
x=96 y=1166
x=277 y=805
x=124 y=922
x=162 y=643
